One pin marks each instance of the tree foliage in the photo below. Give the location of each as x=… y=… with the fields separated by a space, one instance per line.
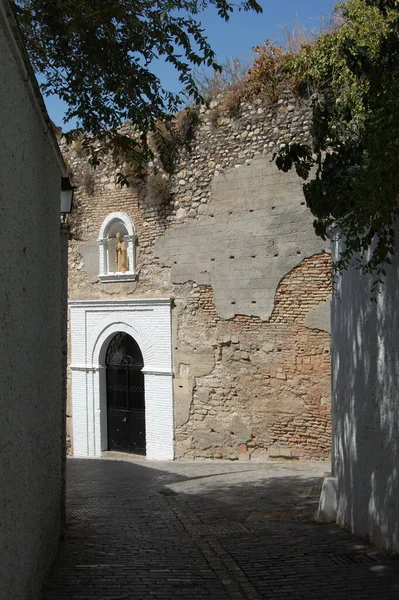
x=352 y=163
x=99 y=56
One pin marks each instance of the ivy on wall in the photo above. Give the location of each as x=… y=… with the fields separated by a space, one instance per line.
x=353 y=75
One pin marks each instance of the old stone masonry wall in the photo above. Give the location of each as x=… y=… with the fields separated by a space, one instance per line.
x=234 y=247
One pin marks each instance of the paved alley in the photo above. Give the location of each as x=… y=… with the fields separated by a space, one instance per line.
x=141 y=530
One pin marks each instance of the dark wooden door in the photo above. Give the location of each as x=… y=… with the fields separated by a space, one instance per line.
x=125 y=395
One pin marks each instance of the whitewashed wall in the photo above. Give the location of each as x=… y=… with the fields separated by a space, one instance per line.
x=365 y=405
x=31 y=323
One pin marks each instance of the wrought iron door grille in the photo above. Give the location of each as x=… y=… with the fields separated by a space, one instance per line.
x=125 y=395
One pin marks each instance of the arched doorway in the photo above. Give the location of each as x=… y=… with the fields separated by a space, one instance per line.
x=125 y=395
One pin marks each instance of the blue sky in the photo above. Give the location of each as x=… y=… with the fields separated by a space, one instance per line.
x=237 y=37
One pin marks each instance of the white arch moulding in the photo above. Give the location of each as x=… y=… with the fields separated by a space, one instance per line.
x=93 y=324
x=130 y=239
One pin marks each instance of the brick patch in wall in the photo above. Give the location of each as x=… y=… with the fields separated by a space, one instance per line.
x=304 y=288
x=278 y=371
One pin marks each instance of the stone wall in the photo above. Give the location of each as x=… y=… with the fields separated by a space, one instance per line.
x=236 y=250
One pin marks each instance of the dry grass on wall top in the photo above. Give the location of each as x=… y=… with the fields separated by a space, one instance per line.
x=170 y=137
x=155 y=190
x=270 y=74
x=267 y=80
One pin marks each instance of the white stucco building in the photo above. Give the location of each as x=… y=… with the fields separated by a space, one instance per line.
x=32 y=330
x=364 y=489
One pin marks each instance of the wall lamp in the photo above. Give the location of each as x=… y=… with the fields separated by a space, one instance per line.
x=67 y=190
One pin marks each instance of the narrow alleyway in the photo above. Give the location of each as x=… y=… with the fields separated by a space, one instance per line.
x=141 y=530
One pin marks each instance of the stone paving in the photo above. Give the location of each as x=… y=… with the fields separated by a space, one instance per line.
x=141 y=530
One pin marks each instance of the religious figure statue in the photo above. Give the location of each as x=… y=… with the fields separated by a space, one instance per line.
x=121 y=260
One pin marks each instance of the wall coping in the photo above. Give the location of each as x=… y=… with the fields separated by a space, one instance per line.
x=12 y=31
x=121 y=303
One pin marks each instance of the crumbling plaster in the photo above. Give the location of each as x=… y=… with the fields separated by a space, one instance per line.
x=256 y=228
x=266 y=394
x=320 y=317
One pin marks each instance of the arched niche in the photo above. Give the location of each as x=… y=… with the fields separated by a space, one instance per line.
x=116 y=223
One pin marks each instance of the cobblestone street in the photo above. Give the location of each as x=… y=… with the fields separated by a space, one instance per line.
x=141 y=530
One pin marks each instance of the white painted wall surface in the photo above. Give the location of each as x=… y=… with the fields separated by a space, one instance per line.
x=31 y=427
x=365 y=405
x=92 y=326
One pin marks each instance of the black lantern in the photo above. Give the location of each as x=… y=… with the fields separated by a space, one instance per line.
x=67 y=190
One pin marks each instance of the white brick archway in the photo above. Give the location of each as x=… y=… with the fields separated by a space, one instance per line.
x=93 y=324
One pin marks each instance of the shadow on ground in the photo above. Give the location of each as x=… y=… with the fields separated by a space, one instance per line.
x=140 y=530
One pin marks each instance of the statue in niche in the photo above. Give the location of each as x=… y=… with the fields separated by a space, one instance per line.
x=121 y=260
